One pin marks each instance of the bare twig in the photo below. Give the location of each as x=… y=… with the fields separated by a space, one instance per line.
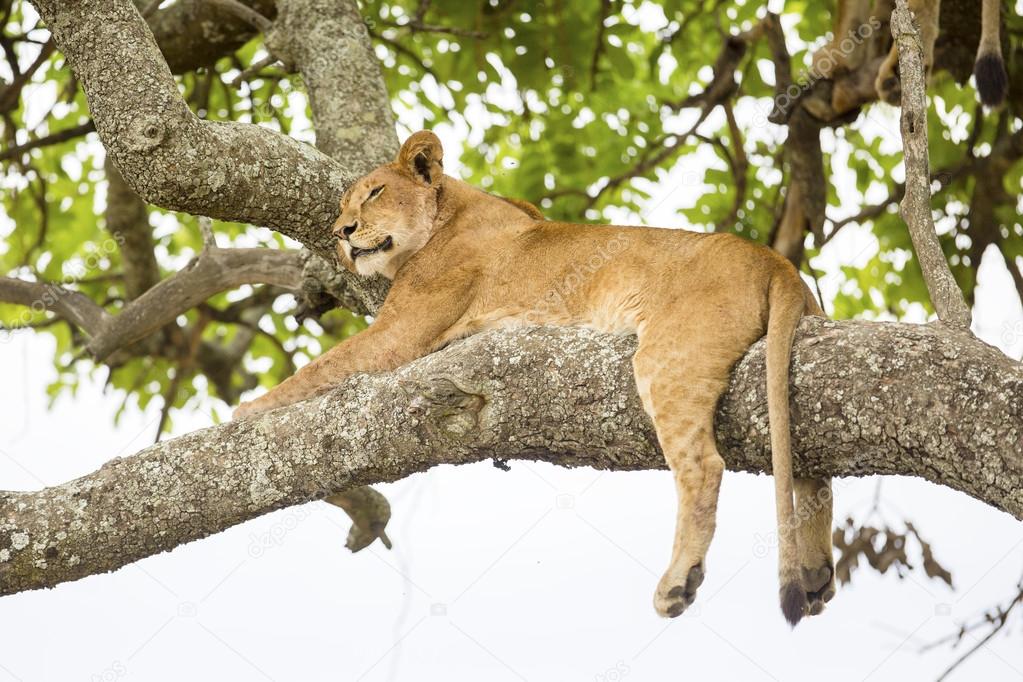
x=418 y=24
x=245 y=13
x=209 y=240
x=253 y=69
x=945 y=294
x=598 y=48
x=150 y=9
x=45 y=141
x=995 y=619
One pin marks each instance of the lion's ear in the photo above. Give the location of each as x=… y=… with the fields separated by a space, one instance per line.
x=422 y=157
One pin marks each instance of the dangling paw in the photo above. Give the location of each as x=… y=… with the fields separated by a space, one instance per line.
x=674 y=595
x=819 y=584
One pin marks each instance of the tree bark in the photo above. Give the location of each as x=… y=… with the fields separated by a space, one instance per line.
x=868 y=398
x=328 y=42
x=213 y=271
x=946 y=297
x=196 y=33
x=171 y=158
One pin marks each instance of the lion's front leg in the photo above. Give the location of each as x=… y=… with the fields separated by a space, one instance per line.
x=409 y=326
x=371 y=350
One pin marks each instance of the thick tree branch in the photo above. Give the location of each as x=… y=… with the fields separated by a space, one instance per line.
x=196 y=33
x=868 y=398
x=327 y=41
x=945 y=294
x=230 y=171
x=127 y=221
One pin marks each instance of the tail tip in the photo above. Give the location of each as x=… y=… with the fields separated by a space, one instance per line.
x=793 y=602
x=992 y=80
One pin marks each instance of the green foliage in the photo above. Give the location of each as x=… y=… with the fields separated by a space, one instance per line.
x=577 y=117
x=569 y=109
x=55 y=232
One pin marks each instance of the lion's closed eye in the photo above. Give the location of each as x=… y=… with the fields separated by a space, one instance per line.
x=375 y=192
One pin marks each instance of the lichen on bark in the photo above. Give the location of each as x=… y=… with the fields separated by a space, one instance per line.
x=867 y=398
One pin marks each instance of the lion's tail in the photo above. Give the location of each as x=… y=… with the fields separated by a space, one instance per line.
x=786 y=303
x=989 y=69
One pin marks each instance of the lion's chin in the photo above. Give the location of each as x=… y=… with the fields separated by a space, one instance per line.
x=377 y=263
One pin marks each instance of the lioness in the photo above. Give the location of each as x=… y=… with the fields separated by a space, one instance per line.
x=462 y=261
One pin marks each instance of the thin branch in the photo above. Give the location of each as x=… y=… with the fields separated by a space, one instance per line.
x=867 y=213
x=213 y=271
x=418 y=24
x=47 y=140
x=598 y=48
x=253 y=69
x=11 y=92
x=945 y=294
x=648 y=161
x=738 y=162
x=245 y=13
x=183 y=369
x=996 y=620
x=1014 y=270
x=72 y=306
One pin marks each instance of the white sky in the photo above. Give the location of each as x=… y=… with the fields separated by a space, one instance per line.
x=540 y=573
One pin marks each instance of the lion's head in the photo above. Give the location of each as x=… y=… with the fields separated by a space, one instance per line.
x=389 y=214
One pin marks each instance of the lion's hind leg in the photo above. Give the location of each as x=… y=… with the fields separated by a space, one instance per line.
x=813 y=534
x=680 y=397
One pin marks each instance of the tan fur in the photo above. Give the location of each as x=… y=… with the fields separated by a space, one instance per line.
x=864 y=64
x=463 y=261
x=889 y=87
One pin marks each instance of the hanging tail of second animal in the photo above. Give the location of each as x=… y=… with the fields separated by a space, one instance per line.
x=989 y=69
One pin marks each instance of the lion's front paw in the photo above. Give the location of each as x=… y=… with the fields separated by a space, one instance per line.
x=674 y=594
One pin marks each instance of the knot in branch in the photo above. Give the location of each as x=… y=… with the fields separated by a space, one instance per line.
x=443 y=407
x=145 y=133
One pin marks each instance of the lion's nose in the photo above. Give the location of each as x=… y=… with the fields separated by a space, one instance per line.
x=344 y=232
